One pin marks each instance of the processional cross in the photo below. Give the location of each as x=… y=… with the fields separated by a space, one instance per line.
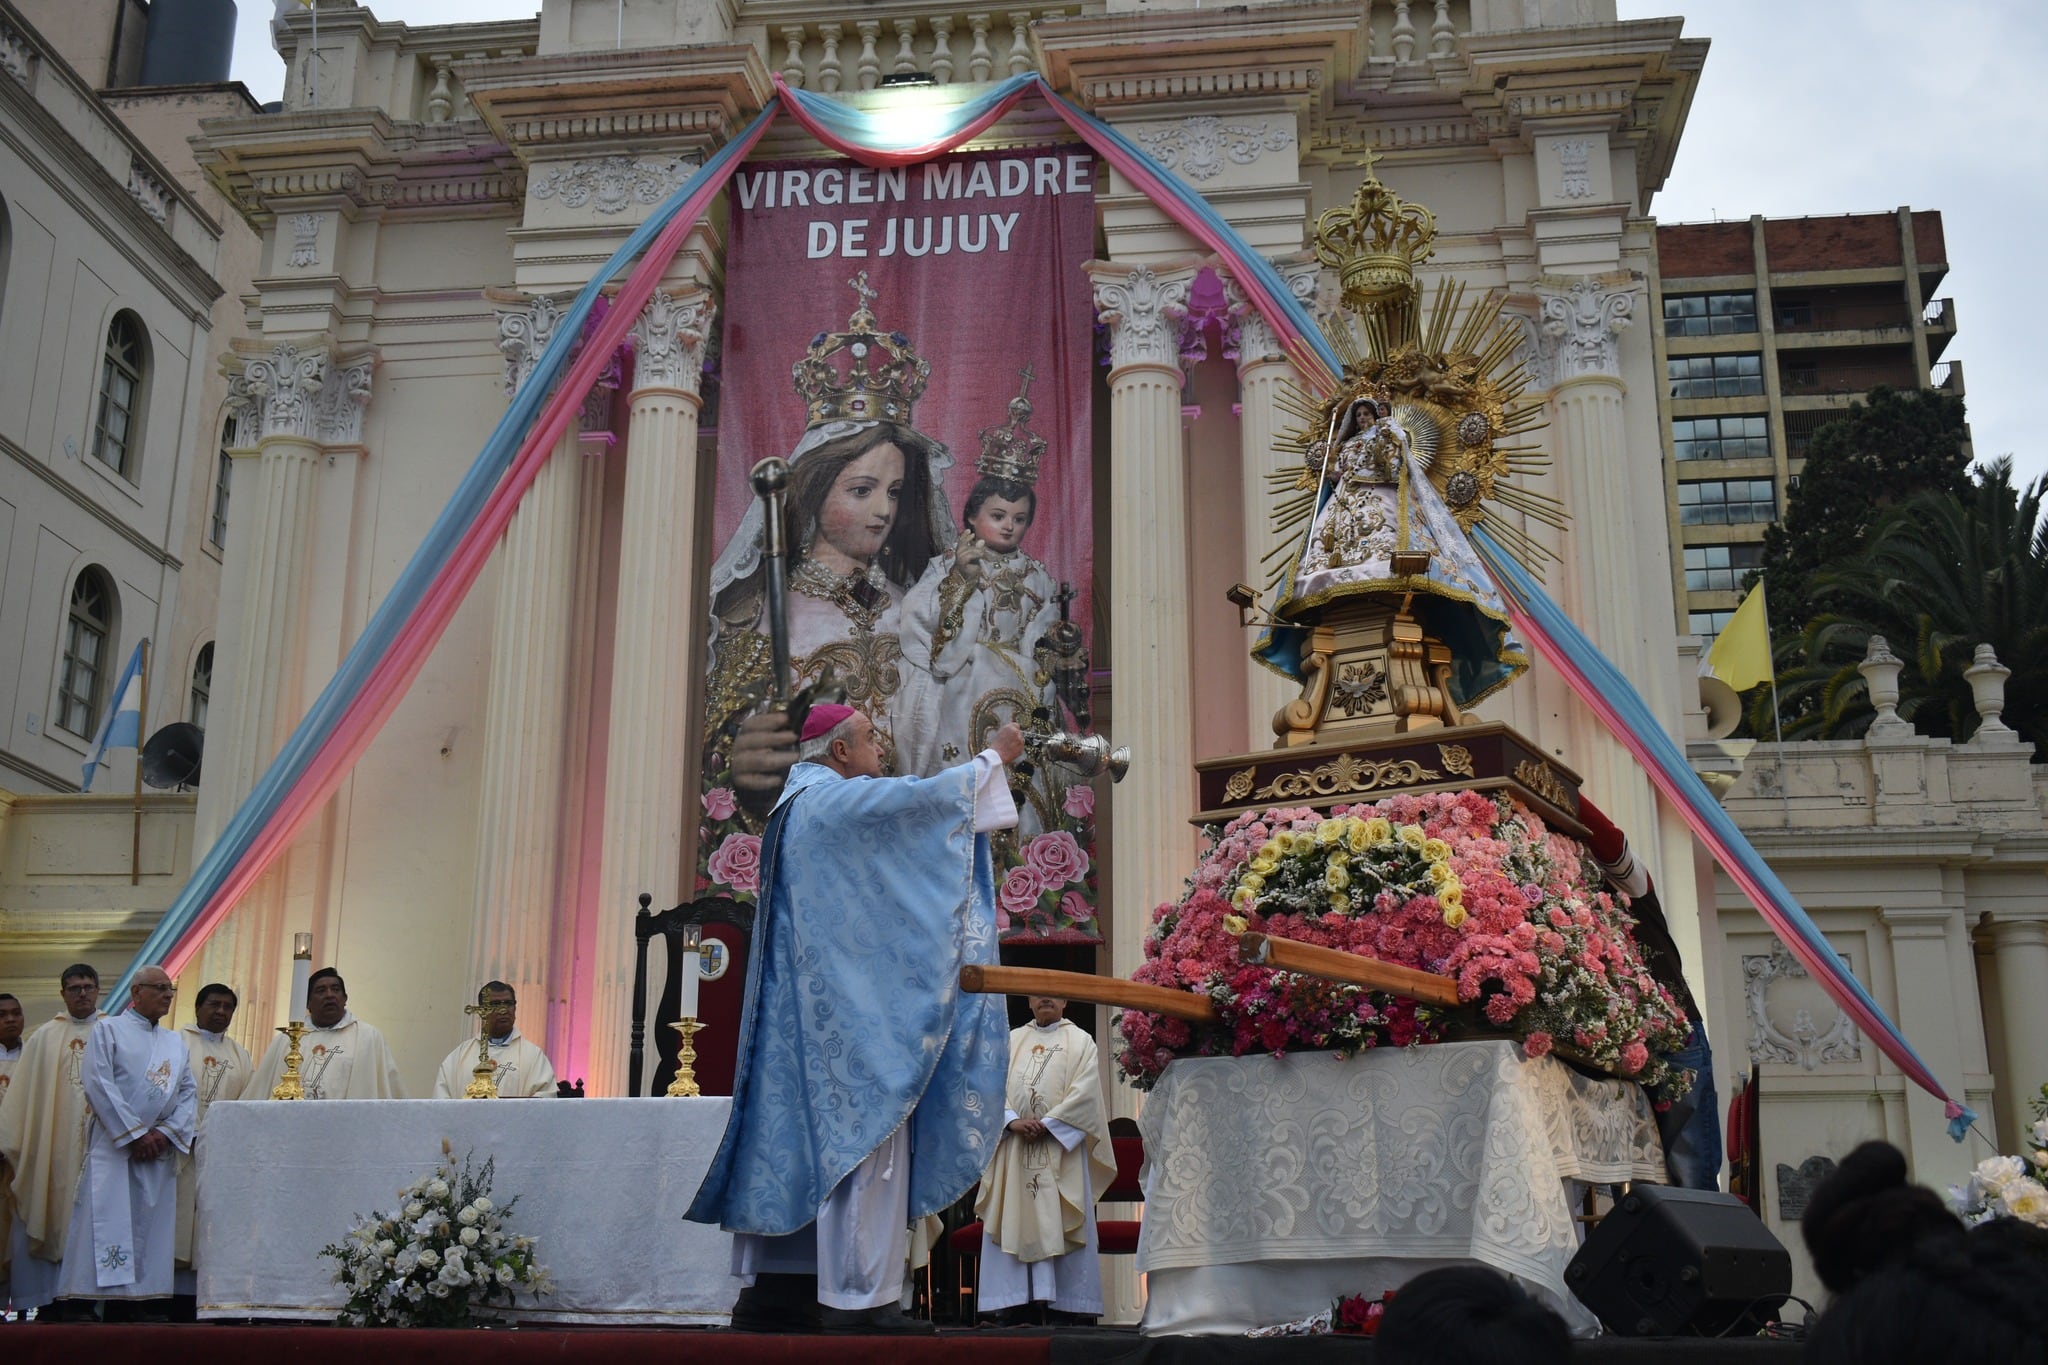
x=483 y=1086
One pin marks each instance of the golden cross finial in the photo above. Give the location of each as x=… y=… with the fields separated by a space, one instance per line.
x=1029 y=375
x=866 y=295
x=482 y=1086
x=1371 y=159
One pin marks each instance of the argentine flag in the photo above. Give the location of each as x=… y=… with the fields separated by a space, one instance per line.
x=123 y=726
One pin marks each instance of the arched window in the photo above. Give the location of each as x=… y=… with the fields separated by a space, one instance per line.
x=202 y=684
x=81 y=690
x=124 y=368
x=223 y=475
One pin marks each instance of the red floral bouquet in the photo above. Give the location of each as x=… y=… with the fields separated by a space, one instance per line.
x=1356 y=1315
x=1458 y=883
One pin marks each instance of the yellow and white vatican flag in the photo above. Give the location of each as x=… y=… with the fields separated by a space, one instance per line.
x=1741 y=655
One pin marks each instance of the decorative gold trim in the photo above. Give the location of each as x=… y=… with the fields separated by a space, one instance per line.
x=1345 y=774
x=1540 y=778
x=1457 y=759
x=1240 y=784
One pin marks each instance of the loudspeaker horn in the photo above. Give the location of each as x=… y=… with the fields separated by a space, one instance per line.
x=172 y=756
x=1723 y=706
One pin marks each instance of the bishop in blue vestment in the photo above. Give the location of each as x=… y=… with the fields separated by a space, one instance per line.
x=869 y=1090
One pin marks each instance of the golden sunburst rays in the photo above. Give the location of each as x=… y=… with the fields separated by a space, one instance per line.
x=1446 y=360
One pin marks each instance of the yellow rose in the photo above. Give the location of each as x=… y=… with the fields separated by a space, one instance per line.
x=1329 y=832
x=1436 y=850
x=1270 y=850
x=1339 y=858
x=1451 y=894
x=1335 y=877
x=1340 y=902
x=1454 y=915
x=1242 y=899
x=1253 y=883
x=1378 y=831
x=1264 y=866
x=1285 y=839
x=1236 y=924
x=1413 y=836
x=1356 y=835
x=1439 y=874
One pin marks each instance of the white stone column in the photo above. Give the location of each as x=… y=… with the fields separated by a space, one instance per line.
x=2019 y=943
x=300 y=401
x=656 y=691
x=1263 y=370
x=1152 y=845
x=1937 y=1007
x=527 y=705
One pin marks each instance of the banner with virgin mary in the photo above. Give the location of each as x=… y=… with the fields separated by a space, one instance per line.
x=916 y=342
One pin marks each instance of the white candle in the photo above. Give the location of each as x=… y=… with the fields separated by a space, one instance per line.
x=693 y=962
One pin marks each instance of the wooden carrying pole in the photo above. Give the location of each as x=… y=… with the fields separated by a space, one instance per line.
x=1288 y=956
x=1094 y=990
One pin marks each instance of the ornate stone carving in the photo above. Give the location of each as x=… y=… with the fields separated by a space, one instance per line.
x=153 y=194
x=304 y=394
x=305 y=239
x=1579 y=323
x=1345 y=774
x=523 y=333
x=15 y=53
x=1198 y=147
x=1574 y=168
x=1781 y=1000
x=612 y=184
x=1143 y=313
x=668 y=342
x=1255 y=338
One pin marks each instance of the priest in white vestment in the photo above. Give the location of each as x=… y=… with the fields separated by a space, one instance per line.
x=1037 y=1202
x=12 y=1021
x=145 y=1108
x=42 y=1139
x=340 y=1057
x=220 y=1068
x=519 y=1069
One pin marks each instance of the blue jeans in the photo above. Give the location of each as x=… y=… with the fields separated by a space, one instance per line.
x=1691 y=1127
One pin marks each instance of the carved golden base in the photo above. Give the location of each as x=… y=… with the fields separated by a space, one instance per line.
x=1340 y=771
x=1369 y=670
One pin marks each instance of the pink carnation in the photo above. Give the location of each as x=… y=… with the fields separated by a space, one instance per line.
x=1018 y=895
x=1537 y=1044
x=1634 y=1057
x=737 y=862
x=720 y=804
x=1057 y=858
x=1080 y=802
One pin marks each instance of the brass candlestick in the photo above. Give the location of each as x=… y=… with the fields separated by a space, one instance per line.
x=288 y=1086
x=483 y=1085
x=684 y=1086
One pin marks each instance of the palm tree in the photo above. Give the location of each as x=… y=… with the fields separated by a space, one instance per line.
x=1939 y=576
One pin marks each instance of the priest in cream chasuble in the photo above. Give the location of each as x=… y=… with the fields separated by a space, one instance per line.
x=1037 y=1202
x=42 y=1139
x=221 y=1070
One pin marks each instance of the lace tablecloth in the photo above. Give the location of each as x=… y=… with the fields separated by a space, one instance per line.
x=602 y=1183
x=1275 y=1184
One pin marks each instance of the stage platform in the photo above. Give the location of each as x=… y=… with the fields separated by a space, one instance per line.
x=305 y=1344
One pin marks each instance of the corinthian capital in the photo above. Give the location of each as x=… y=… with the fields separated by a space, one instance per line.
x=1579 y=322
x=525 y=327
x=1142 y=308
x=1256 y=339
x=668 y=341
x=302 y=392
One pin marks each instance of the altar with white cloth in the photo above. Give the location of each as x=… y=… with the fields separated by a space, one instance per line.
x=1275 y=1185
x=602 y=1183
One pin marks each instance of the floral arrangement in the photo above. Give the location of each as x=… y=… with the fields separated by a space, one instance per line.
x=2010 y=1186
x=1353 y=1315
x=1045 y=884
x=440 y=1254
x=1470 y=886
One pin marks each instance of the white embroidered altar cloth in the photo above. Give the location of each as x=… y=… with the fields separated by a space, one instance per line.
x=1275 y=1184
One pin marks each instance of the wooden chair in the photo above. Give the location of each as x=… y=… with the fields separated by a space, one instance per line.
x=671 y=926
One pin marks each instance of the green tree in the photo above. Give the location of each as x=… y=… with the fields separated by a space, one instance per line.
x=1878 y=454
x=1940 y=575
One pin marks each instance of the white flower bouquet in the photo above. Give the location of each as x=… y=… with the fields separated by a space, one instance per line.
x=2010 y=1186
x=441 y=1254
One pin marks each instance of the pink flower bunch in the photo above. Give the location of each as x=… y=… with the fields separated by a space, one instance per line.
x=1457 y=883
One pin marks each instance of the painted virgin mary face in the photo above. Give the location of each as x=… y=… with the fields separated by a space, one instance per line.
x=859 y=510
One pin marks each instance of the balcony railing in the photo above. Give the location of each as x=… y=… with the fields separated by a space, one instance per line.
x=856 y=53
x=1796 y=383
x=1841 y=317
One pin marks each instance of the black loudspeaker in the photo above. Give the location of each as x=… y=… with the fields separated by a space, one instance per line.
x=1671 y=1262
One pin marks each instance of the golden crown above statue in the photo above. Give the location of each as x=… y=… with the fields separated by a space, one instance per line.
x=862 y=373
x=1375 y=244
x=1012 y=452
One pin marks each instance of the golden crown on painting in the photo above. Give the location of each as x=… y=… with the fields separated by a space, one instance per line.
x=862 y=373
x=1375 y=243
x=1012 y=452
